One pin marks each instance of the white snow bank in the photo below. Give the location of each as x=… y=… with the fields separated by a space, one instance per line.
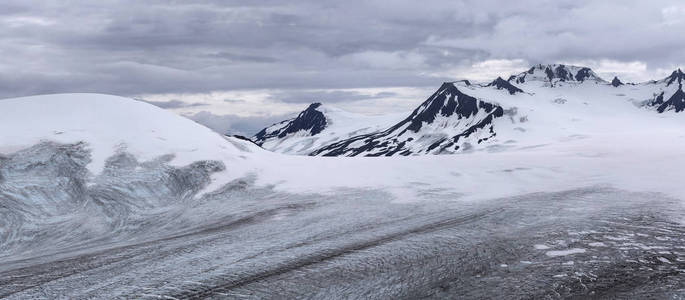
x=109 y=123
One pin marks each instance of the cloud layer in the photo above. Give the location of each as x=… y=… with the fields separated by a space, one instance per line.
x=197 y=47
x=136 y=47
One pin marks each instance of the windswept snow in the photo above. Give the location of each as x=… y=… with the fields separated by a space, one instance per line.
x=109 y=124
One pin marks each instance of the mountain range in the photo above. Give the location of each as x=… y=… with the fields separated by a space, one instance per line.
x=98 y=192
x=540 y=105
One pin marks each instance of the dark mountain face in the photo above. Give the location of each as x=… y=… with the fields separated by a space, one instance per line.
x=551 y=73
x=616 y=82
x=465 y=82
x=309 y=119
x=450 y=120
x=500 y=84
x=583 y=74
x=447 y=102
x=244 y=138
x=676 y=77
x=675 y=103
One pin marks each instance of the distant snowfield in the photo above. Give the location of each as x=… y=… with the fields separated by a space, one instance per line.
x=554 y=135
x=569 y=145
x=630 y=161
x=589 y=138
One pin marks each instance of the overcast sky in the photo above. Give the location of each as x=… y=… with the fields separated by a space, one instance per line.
x=248 y=63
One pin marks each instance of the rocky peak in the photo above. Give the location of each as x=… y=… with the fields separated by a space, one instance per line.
x=500 y=84
x=616 y=82
x=311 y=120
x=447 y=101
x=676 y=77
x=555 y=73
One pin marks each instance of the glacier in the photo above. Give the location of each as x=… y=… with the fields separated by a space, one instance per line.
x=108 y=197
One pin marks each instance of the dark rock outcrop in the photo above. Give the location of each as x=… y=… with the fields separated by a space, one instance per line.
x=616 y=82
x=554 y=73
x=311 y=120
x=676 y=77
x=500 y=84
x=449 y=104
x=674 y=103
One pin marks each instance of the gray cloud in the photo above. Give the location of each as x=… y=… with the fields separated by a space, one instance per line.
x=235 y=100
x=232 y=124
x=171 y=104
x=243 y=57
x=325 y=96
x=129 y=47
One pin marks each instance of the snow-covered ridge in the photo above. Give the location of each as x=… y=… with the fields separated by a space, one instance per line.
x=107 y=125
x=446 y=122
x=542 y=104
x=82 y=168
x=316 y=126
x=676 y=77
x=668 y=94
x=502 y=84
x=311 y=121
x=556 y=73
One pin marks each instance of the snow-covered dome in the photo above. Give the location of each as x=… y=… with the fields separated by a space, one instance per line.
x=108 y=124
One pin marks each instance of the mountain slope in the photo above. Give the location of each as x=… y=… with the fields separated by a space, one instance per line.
x=141 y=129
x=669 y=95
x=311 y=121
x=89 y=168
x=556 y=73
x=502 y=84
x=446 y=122
x=316 y=126
x=545 y=104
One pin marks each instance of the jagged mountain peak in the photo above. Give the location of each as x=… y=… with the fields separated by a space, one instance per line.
x=319 y=125
x=616 y=82
x=446 y=122
x=500 y=84
x=676 y=77
x=556 y=73
x=311 y=120
x=460 y=115
x=464 y=82
x=670 y=98
x=675 y=102
x=314 y=105
x=448 y=100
